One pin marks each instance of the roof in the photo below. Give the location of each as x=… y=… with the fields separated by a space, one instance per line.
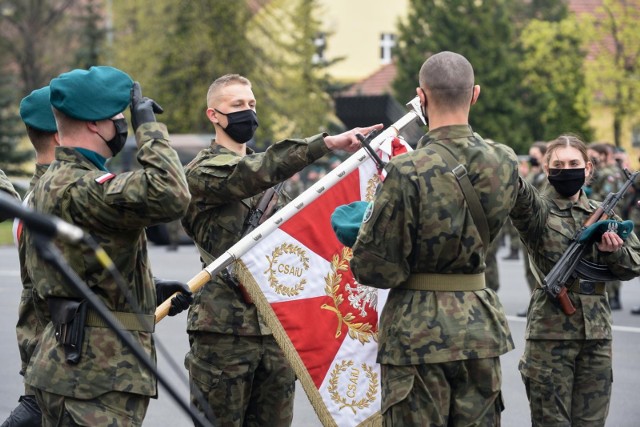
x=377 y=83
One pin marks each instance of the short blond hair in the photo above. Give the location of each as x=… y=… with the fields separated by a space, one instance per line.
x=226 y=80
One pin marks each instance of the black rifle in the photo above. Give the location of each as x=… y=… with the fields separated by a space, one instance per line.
x=571 y=265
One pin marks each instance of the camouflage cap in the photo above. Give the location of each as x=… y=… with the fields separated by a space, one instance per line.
x=95 y=94
x=346 y=221
x=35 y=110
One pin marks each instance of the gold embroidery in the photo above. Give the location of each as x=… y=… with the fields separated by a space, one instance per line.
x=279 y=288
x=354 y=404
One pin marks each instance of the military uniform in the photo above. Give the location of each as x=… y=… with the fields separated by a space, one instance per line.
x=538 y=180
x=115 y=210
x=234 y=360
x=439 y=350
x=7 y=187
x=566 y=366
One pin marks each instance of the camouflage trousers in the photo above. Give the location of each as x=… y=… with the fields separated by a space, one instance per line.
x=113 y=409
x=245 y=380
x=451 y=394
x=568 y=382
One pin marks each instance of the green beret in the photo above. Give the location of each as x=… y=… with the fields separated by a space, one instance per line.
x=346 y=221
x=594 y=232
x=89 y=95
x=35 y=110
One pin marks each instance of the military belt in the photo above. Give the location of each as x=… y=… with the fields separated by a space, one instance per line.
x=445 y=282
x=129 y=321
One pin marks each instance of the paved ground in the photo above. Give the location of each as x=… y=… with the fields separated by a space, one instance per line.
x=172 y=341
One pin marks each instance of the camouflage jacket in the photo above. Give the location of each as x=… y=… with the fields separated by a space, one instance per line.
x=31 y=321
x=547 y=223
x=115 y=210
x=5 y=185
x=420 y=224
x=224 y=186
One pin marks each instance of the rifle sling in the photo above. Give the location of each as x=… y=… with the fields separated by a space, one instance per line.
x=469 y=193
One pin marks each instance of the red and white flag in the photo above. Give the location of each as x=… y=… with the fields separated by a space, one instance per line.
x=326 y=322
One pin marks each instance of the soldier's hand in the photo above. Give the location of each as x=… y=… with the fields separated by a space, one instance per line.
x=348 y=141
x=143 y=109
x=610 y=242
x=166 y=288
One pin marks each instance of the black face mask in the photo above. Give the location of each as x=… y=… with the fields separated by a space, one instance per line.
x=533 y=162
x=116 y=143
x=567 y=182
x=241 y=125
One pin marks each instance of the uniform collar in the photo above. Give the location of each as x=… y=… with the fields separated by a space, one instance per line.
x=74 y=155
x=446 y=132
x=565 y=204
x=219 y=149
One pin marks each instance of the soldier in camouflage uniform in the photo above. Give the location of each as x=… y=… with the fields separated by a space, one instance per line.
x=566 y=366
x=441 y=330
x=99 y=382
x=36 y=113
x=7 y=187
x=608 y=177
x=234 y=360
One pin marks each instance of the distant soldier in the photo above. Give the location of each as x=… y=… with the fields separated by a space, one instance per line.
x=426 y=236
x=608 y=177
x=36 y=113
x=89 y=377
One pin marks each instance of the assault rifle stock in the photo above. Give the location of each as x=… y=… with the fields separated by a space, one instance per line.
x=555 y=283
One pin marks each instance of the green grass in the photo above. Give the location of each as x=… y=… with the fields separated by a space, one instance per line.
x=6 y=234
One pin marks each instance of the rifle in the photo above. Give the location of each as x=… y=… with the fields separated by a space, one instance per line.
x=255 y=217
x=571 y=265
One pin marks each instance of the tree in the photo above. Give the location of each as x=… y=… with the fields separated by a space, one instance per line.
x=177 y=49
x=483 y=33
x=37 y=35
x=553 y=79
x=92 y=36
x=294 y=88
x=11 y=128
x=614 y=74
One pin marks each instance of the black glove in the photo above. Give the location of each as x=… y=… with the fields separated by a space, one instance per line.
x=142 y=108
x=166 y=288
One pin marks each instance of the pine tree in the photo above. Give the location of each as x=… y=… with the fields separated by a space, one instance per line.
x=483 y=33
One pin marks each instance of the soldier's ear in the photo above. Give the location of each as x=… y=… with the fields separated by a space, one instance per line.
x=475 y=94
x=211 y=115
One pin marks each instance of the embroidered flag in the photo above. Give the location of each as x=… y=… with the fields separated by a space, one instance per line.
x=326 y=322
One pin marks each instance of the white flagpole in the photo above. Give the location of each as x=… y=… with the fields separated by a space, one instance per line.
x=293 y=207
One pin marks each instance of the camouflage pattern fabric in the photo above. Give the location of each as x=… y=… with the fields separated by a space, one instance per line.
x=568 y=382
x=116 y=213
x=224 y=186
x=226 y=371
x=31 y=321
x=420 y=224
x=547 y=223
x=411 y=387
x=108 y=410
x=491 y=273
x=567 y=364
x=7 y=187
x=539 y=181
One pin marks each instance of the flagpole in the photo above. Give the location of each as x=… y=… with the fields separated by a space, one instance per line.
x=293 y=207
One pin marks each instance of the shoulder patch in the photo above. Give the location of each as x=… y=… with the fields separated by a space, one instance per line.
x=368 y=212
x=106 y=177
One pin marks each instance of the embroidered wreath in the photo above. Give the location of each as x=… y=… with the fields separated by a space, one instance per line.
x=370 y=396
x=372 y=184
x=357 y=330
x=279 y=288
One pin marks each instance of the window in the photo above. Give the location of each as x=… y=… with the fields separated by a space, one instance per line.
x=320 y=42
x=387 y=43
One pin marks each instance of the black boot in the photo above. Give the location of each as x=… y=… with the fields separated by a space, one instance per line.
x=635 y=310
x=614 y=301
x=26 y=414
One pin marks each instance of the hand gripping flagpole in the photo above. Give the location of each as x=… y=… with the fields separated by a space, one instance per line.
x=293 y=207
